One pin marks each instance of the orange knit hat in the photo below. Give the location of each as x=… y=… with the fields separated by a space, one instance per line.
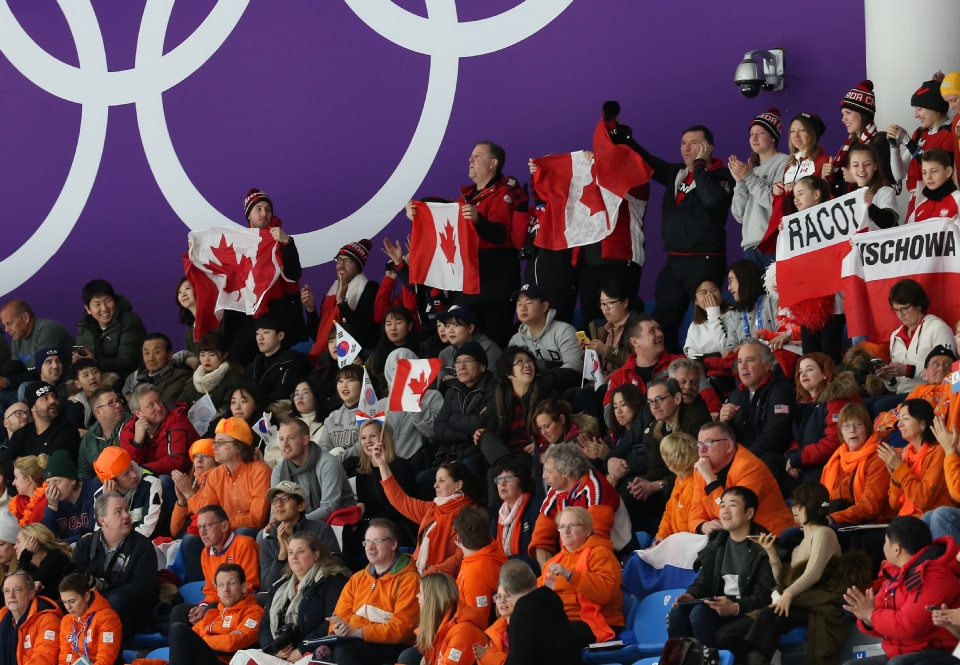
x=236 y=428
x=112 y=462
x=202 y=447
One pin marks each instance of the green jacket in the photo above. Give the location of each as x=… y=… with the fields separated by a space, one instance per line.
x=755 y=575
x=119 y=347
x=93 y=443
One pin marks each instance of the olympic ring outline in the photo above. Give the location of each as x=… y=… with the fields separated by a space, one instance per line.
x=97 y=90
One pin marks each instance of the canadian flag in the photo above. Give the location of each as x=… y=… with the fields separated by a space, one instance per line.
x=445 y=248
x=924 y=252
x=591 y=369
x=583 y=197
x=411 y=381
x=230 y=268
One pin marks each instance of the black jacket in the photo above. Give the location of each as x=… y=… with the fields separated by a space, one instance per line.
x=131 y=574
x=764 y=424
x=118 y=348
x=698 y=224
x=279 y=374
x=464 y=411
x=755 y=576
x=539 y=631
x=62 y=434
x=366 y=331
x=492 y=443
x=318 y=602
x=641 y=448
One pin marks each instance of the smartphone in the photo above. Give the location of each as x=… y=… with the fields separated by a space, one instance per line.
x=932 y=608
x=582 y=336
x=877 y=362
x=80 y=350
x=754 y=537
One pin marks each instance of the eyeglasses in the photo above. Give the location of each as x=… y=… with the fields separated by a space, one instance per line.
x=207 y=527
x=343 y=259
x=500 y=596
x=112 y=404
x=848 y=427
x=900 y=311
x=709 y=442
x=503 y=479
x=282 y=498
x=466 y=362
x=567 y=528
x=523 y=361
x=20 y=413
x=658 y=400
x=609 y=303
x=376 y=541
x=218 y=444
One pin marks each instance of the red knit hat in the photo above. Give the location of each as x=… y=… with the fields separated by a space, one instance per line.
x=861 y=99
x=358 y=251
x=770 y=121
x=254 y=196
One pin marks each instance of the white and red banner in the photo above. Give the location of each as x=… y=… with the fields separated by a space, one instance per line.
x=411 y=381
x=444 y=248
x=591 y=369
x=583 y=196
x=811 y=248
x=925 y=252
x=230 y=268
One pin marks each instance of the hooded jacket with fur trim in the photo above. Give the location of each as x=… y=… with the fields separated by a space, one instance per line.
x=816 y=431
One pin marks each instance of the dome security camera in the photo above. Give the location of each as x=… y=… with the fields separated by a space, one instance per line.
x=751 y=77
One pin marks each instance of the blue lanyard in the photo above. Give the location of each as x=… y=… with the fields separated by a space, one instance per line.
x=746 y=324
x=73 y=640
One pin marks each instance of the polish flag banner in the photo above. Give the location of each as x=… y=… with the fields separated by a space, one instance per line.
x=583 y=196
x=412 y=380
x=925 y=252
x=443 y=248
x=812 y=245
x=230 y=268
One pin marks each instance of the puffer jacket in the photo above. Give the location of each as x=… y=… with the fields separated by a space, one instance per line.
x=816 y=434
x=463 y=413
x=106 y=635
x=556 y=345
x=37 y=635
x=118 y=347
x=453 y=643
x=169 y=381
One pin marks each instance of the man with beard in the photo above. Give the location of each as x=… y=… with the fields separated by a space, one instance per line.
x=49 y=430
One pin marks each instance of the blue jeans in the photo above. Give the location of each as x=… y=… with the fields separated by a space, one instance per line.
x=758 y=257
x=943 y=521
x=697 y=621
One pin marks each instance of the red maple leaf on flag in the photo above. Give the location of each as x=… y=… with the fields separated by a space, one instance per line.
x=418 y=386
x=235 y=271
x=449 y=246
x=593 y=199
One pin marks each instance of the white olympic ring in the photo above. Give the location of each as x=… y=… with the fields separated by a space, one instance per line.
x=441 y=35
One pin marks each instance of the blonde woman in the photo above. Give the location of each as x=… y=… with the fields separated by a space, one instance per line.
x=448 y=628
x=679 y=452
x=39 y=553
x=31 y=499
x=370 y=493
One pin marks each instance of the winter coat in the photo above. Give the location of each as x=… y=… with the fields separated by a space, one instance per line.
x=270 y=568
x=763 y=423
x=448 y=356
x=900 y=615
x=522 y=531
x=390 y=610
x=718 y=334
x=279 y=374
x=555 y=346
x=456 y=635
x=492 y=443
x=463 y=413
x=641 y=449
x=930 y=333
x=105 y=632
x=755 y=577
x=219 y=394
x=539 y=631
x=167 y=449
x=753 y=198
x=320 y=599
x=119 y=346
x=227 y=630
x=599 y=583
x=479 y=578
x=93 y=443
x=816 y=433
x=169 y=382
x=37 y=642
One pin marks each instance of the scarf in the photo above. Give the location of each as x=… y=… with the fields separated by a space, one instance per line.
x=292 y=472
x=287 y=599
x=843 y=462
x=205 y=381
x=37 y=502
x=914 y=459
x=509 y=536
x=329 y=311
x=444 y=510
x=868 y=133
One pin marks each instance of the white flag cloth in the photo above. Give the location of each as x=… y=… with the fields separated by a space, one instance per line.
x=202 y=413
x=347 y=347
x=368 y=398
x=591 y=369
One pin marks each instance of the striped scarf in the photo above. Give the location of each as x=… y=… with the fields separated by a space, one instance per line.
x=868 y=133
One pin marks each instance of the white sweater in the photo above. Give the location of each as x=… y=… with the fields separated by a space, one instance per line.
x=715 y=336
x=931 y=332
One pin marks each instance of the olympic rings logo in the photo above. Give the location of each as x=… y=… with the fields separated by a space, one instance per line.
x=440 y=35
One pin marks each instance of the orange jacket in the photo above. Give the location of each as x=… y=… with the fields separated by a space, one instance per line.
x=241 y=550
x=182 y=514
x=230 y=629
x=243 y=494
x=951 y=472
x=927 y=492
x=479 y=577
x=872 y=507
x=599 y=583
x=37 y=642
x=676 y=516
x=592 y=492
x=497 y=652
x=422 y=512
x=386 y=607
x=103 y=637
x=746 y=470
x=453 y=643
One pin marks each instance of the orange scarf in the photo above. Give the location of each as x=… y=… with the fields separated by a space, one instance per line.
x=443 y=515
x=26 y=517
x=589 y=611
x=843 y=462
x=914 y=459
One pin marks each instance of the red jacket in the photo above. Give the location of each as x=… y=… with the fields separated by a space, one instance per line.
x=495 y=203
x=385 y=300
x=167 y=449
x=628 y=374
x=900 y=617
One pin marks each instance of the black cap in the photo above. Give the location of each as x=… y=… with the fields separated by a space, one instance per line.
x=940 y=350
x=465 y=314
x=474 y=350
x=531 y=291
x=818 y=127
x=35 y=391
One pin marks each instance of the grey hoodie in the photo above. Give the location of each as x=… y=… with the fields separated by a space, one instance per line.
x=335 y=489
x=557 y=343
x=341 y=436
x=753 y=198
x=409 y=429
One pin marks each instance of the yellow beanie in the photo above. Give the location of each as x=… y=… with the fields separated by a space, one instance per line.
x=950 y=85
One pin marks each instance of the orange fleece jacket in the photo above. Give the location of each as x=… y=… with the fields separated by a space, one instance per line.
x=104 y=634
x=37 y=638
x=599 y=583
x=479 y=577
x=746 y=470
x=231 y=629
x=873 y=506
x=951 y=472
x=927 y=492
x=497 y=652
x=365 y=601
x=676 y=516
x=422 y=512
x=453 y=643
x=241 y=550
x=243 y=494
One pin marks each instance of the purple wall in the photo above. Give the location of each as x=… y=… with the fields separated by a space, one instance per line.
x=308 y=103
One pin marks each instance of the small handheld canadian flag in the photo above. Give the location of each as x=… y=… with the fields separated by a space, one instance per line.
x=411 y=381
x=347 y=347
x=591 y=369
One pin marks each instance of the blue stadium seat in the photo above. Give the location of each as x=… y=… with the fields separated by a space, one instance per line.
x=726 y=658
x=644 y=539
x=149 y=641
x=649 y=629
x=128 y=656
x=648 y=661
x=160 y=654
x=192 y=592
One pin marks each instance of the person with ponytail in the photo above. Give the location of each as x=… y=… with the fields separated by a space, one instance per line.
x=30 y=502
x=752 y=196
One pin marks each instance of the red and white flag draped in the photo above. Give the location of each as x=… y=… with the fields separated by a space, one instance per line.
x=811 y=247
x=583 y=197
x=446 y=248
x=411 y=381
x=925 y=252
x=230 y=268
